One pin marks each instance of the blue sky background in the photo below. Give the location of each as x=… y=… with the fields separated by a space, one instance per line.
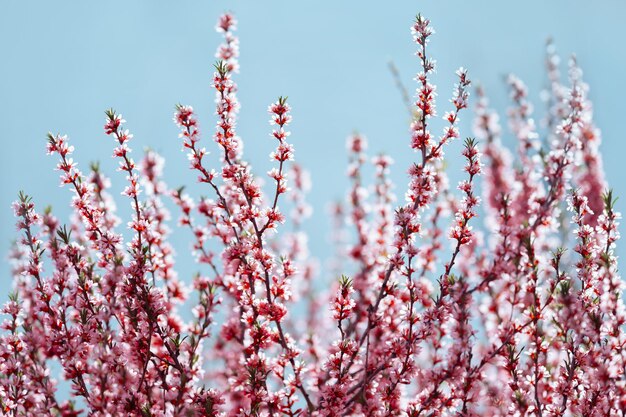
x=64 y=63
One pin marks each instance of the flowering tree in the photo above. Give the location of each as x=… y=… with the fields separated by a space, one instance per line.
x=507 y=321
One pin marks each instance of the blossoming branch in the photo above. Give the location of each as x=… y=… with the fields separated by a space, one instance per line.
x=501 y=297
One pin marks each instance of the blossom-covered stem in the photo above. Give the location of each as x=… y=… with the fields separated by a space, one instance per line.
x=586 y=248
x=91 y=215
x=186 y=119
x=333 y=394
x=405 y=221
x=487 y=129
x=461 y=232
x=24 y=208
x=101 y=197
x=607 y=227
x=114 y=126
x=242 y=179
x=504 y=247
x=14 y=349
x=238 y=174
x=459 y=359
x=421 y=186
x=460 y=101
x=228 y=51
x=557 y=110
x=147 y=298
x=140 y=224
x=558 y=161
x=283 y=153
x=360 y=251
x=608 y=224
x=160 y=251
x=425 y=104
x=384 y=200
x=25 y=387
x=536 y=348
x=554 y=171
x=522 y=124
x=507 y=346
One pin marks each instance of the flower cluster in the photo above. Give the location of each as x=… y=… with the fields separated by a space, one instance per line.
x=433 y=313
